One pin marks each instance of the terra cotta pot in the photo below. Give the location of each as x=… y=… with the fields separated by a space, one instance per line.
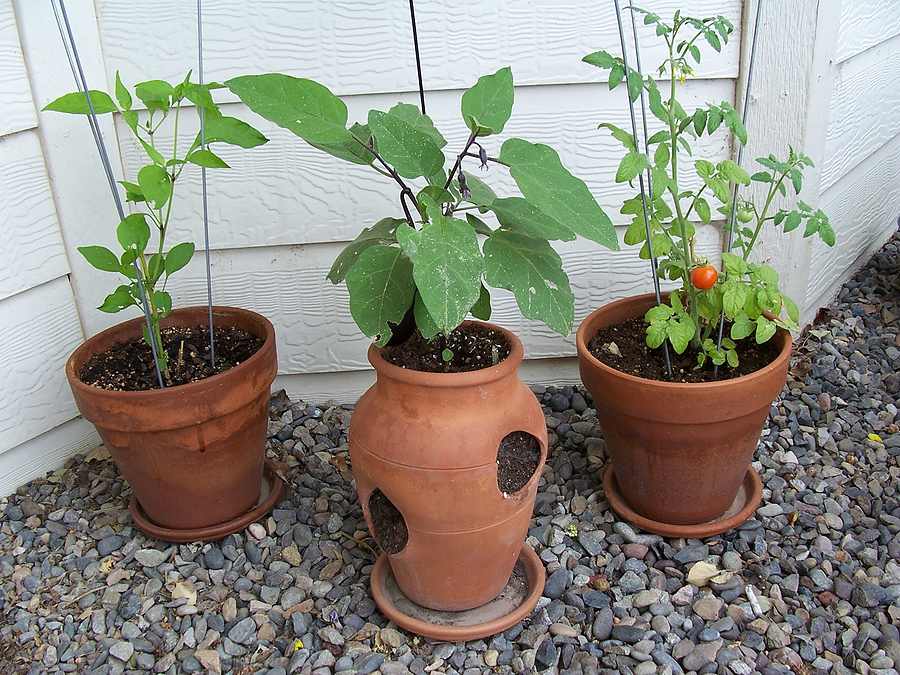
x=429 y=443
x=193 y=454
x=680 y=452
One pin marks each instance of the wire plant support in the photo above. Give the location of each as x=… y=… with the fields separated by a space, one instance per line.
x=654 y=264
x=740 y=156
x=209 y=300
x=68 y=40
x=415 y=35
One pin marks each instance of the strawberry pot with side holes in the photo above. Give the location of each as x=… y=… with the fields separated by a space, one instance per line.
x=193 y=454
x=437 y=459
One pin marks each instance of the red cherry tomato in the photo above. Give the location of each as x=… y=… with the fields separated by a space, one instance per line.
x=704 y=277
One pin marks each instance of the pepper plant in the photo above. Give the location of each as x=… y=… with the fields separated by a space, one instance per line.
x=747 y=289
x=143 y=266
x=429 y=265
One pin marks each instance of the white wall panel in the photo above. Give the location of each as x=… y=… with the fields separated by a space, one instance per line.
x=38 y=330
x=287 y=192
x=866 y=23
x=36 y=456
x=865 y=109
x=365 y=46
x=31 y=247
x=15 y=94
x=862 y=206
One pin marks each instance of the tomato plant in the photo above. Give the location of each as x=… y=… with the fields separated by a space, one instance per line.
x=747 y=290
x=704 y=277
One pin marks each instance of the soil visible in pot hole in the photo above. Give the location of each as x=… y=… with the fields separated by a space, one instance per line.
x=636 y=358
x=387 y=521
x=517 y=460
x=128 y=366
x=474 y=347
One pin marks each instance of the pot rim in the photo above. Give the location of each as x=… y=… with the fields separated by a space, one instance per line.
x=468 y=379
x=187 y=389
x=589 y=326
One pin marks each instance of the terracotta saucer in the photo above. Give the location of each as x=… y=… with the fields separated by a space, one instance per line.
x=743 y=506
x=513 y=604
x=269 y=495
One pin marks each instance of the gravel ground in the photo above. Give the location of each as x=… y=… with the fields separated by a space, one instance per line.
x=810 y=584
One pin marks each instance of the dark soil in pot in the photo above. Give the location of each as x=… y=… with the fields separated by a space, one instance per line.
x=474 y=347
x=636 y=358
x=128 y=366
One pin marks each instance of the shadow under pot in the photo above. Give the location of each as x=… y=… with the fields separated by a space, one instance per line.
x=429 y=453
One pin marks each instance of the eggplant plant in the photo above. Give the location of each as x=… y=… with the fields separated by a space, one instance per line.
x=429 y=264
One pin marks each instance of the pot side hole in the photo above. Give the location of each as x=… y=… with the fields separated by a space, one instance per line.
x=388 y=525
x=518 y=457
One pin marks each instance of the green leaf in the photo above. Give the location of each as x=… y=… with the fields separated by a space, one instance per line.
x=742 y=326
x=179 y=256
x=101 y=258
x=732 y=172
x=489 y=101
x=155 y=94
x=661 y=156
x=546 y=184
x=447 y=267
x=761 y=177
x=351 y=150
x=703 y=209
x=482 y=307
x=207 y=159
x=635 y=84
x=636 y=232
x=734 y=297
x=714 y=120
x=478 y=224
x=117 y=301
x=482 y=194
x=518 y=215
x=699 y=121
x=619 y=134
x=532 y=270
x=156 y=184
x=381 y=290
x=656 y=334
x=383 y=232
x=680 y=331
x=765 y=329
x=792 y=221
x=163 y=302
x=424 y=322
x=792 y=309
x=704 y=168
x=302 y=106
x=152 y=153
x=412 y=115
x=76 y=103
x=630 y=166
x=412 y=153
x=155 y=268
x=122 y=94
x=133 y=232
x=600 y=59
x=200 y=96
x=233 y=131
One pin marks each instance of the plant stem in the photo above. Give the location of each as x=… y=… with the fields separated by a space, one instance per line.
x=685 y=244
